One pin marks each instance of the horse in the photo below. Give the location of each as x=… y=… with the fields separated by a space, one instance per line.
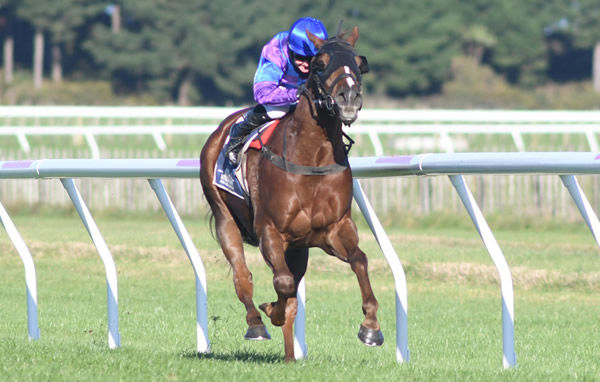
x=299 y=193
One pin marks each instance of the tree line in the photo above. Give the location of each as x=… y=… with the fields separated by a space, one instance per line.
x=205 y=52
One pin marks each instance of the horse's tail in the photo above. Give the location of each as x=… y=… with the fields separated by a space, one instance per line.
x=211 y=224
x=247 y=236
x=247 y=231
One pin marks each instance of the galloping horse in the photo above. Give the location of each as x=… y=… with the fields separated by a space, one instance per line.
x=299 y=193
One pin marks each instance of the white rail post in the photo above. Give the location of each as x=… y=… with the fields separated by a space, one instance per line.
x=30 y=278
x=376 y=142
x=586 y=210
x=300 y=348
x=402 y=352
x=114 y=339
x=23 y=142
x=518 y=140
x=509 y=358
x=446 y=141
x=93 y=145
x=592 y=141
x=203 y=344
x=159 y=141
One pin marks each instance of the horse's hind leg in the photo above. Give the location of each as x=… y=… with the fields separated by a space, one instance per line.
x=231 y=242
x=343 y=244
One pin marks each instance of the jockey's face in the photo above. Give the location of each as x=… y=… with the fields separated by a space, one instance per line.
x=302 y=63
x=303 y=66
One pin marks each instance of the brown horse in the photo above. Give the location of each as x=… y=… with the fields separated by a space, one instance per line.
x=300 y=193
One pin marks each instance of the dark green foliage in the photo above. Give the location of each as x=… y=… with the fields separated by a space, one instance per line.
x=585 y=18
x=193 y=52
x=60 y=18
x=412 y=47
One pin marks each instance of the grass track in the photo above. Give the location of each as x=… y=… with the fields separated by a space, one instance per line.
x=454 y=308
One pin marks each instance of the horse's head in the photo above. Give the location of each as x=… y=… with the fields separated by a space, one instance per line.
x=335 y=75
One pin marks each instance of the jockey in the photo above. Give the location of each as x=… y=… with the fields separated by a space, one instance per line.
x=283 y=66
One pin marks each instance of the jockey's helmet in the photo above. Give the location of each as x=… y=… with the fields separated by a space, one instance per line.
x=298 y=41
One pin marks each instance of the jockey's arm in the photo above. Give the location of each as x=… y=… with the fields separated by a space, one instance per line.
x=268 y=87
x=271 y=93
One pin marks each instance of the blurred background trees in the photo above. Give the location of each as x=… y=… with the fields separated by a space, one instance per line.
x=449 y=53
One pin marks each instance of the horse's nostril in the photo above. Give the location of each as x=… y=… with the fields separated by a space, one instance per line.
x=358 y=100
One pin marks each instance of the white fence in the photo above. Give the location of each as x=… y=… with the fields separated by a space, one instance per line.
x=21 y=122
x=454 y=165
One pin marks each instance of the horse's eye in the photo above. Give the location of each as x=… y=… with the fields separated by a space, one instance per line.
x=317 y=65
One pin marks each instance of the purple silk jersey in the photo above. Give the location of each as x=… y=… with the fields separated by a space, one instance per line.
x=276 y=81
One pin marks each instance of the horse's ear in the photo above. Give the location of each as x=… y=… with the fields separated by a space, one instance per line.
x=315 y=39
x=353 y=36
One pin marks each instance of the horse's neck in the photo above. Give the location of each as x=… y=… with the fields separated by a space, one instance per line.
x=319 y=140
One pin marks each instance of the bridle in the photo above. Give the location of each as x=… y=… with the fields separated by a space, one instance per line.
x=341 y=54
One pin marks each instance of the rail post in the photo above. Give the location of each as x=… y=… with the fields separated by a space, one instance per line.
x=202 y=342
x=402 y=352
x=509 y=358
x=30 y=278
x=114 y=339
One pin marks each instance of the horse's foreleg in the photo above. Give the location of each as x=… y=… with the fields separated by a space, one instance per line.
x=370 y=332
x=297 y=261
x=272 y=248
x=231 y=242
x=344 y=245
x=291 y=309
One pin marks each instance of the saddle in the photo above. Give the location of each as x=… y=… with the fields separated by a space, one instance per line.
x=230 y=178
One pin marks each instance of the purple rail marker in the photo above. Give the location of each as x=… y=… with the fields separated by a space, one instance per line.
x=18 y=164
x=400 y=159
x=189 y=163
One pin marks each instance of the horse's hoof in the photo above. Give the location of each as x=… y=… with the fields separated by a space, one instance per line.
x=257 y=333
x=370 y=337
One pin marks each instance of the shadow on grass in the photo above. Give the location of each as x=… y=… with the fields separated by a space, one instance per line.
x=237 y=356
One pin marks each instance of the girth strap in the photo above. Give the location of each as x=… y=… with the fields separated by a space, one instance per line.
x=299 y=169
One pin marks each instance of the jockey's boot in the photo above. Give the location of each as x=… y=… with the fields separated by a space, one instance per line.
x=254 y=118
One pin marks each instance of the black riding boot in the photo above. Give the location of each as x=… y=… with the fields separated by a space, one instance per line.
x=254 y=118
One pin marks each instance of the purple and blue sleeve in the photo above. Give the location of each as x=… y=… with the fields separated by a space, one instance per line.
x=268 y=88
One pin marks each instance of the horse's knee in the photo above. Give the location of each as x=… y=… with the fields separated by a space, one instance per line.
x=284 y=285
x=358 y=259
x=242 y=276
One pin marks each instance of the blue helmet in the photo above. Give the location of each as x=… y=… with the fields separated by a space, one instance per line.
x=298 y=41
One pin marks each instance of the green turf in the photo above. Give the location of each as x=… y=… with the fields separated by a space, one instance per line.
x=454 y=307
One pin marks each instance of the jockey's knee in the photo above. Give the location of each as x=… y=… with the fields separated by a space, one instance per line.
x=257 y=116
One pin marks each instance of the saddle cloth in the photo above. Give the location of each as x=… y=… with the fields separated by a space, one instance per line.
x=230 y=178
